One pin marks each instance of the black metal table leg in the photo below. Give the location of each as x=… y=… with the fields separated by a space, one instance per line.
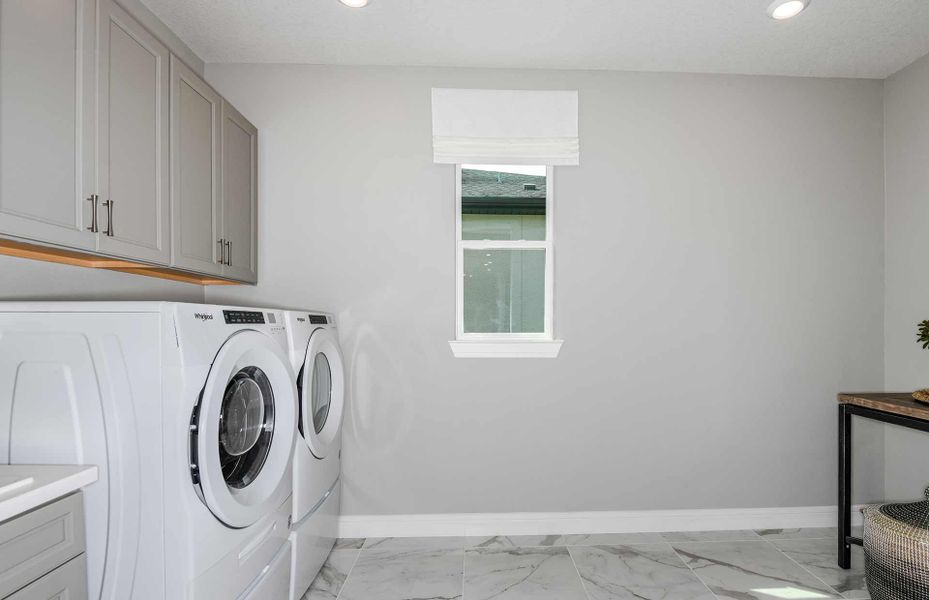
x=846 y=411
x=845 y=486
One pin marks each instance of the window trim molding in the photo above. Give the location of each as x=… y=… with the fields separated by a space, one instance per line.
x=509 y=348
x=515 y=345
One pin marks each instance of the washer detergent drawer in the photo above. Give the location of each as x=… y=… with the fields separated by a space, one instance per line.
x=237 y=571
x=40 y=541
x=274 y=584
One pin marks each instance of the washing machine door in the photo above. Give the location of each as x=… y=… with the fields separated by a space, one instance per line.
x=321 y=385
x=243 y=430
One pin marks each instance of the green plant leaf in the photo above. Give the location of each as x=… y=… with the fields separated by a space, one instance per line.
x=923 y=334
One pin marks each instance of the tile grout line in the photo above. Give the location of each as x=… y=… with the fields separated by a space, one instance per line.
x=350 y=569
x=578 y=571
x=691 y=569
x=772 y=544
x=813 y=575
x=698 y=542
x=464 y=562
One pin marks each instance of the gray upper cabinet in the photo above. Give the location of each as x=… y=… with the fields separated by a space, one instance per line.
x=111 y=145
x=47 y=120
x=132 y=138
x=196 y=157
x=240 y=195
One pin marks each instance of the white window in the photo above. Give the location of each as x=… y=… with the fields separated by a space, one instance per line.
x=505 y=261
x=504 y=145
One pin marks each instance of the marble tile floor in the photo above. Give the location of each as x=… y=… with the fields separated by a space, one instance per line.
x=770 y=564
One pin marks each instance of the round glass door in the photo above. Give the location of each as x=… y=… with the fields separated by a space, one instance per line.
x=321 y=387
x=321 y=397
x=242 y=430
x=246 y=426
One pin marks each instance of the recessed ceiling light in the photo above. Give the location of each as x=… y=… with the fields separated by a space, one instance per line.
x=354 y=3
x=785 y=9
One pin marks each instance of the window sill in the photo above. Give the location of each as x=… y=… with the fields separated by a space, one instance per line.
x=506 y=348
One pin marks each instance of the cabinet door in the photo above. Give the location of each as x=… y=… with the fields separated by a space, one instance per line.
x=67 y=582
x=240 y=195
x=196 y=155
x=39 y=541
x=132 y=133
x=46 y=120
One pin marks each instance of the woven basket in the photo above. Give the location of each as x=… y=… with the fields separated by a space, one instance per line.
x=896 y=547
x=921 y=395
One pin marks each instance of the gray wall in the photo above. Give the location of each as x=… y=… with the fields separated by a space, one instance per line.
x=906 y=364
x=719 y=277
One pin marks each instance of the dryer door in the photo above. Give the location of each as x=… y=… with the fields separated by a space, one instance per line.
x=242 y=432
x=322 y=391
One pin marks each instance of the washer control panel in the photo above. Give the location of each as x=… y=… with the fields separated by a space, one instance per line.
x=239 y=317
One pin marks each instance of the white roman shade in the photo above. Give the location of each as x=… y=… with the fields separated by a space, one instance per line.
x=505 y=127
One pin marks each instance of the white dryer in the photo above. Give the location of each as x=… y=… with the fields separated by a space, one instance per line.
x=313 y=344
x=189 y=411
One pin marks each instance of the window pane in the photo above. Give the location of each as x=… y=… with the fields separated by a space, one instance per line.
x=503 y=202
x=504 y=291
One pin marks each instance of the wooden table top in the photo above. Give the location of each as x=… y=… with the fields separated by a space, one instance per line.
x=896 y=403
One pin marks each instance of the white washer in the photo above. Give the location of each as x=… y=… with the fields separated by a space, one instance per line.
x=189 y=411
x=313 y=343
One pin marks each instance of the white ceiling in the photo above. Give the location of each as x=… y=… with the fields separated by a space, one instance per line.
x=832 y=38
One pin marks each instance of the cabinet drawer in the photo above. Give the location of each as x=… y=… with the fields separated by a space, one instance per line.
x=67 y=582
x=39 y=541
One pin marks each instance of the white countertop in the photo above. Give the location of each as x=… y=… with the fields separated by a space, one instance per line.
x=24 y=487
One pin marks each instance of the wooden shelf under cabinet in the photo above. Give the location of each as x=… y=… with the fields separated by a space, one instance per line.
x=95 y=261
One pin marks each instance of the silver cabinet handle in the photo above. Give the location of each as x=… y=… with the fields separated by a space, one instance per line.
x=222 y=251
x=109 y=204
x=93 y=213
x=228 y=252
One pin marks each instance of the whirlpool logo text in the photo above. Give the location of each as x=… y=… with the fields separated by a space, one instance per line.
x=203 y=316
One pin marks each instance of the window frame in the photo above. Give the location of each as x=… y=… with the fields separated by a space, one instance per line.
x=487 y=344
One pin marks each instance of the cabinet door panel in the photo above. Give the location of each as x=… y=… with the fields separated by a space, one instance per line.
x=39 y=541
x=240 y=194
x=195 y=172
x=133 y=139
x=67 y=582
x=46 y=116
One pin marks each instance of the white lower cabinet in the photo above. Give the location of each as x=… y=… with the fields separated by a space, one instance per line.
x=67 y=582
x=43 y=553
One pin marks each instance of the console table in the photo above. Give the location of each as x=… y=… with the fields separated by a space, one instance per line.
x=897 y=409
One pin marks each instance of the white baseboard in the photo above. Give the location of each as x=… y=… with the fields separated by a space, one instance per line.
x=430 y=525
